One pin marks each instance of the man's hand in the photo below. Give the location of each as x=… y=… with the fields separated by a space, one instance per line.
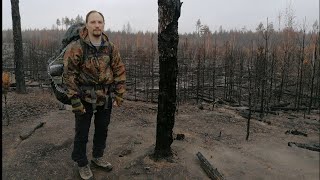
x=117 y=101
x=115 y=104
x=77 y=106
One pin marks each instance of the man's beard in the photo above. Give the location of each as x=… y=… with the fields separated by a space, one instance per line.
x=97 y=33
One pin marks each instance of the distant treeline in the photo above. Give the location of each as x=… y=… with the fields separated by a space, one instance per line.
x=269 y=65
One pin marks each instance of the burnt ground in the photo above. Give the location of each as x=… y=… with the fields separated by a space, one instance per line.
x=46 y=154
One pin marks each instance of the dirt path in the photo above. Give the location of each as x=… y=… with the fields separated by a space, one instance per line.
x=47 y=153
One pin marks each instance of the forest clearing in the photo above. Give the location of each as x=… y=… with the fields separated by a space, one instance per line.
x=219 y=134
x=213 y=103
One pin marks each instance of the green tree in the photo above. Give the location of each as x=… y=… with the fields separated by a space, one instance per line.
x=198 y=26
x=67 y=22
x=72 y=21
x=58 y=22
x=79 y=19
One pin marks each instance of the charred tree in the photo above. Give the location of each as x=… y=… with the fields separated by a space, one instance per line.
x=226 y=68
x=285 y=65
x=214 y=70
x=266 y=37
x=185 y=69
x=198 y=75
x=135 y=80
x=272 y=77
x=300 y=72
x=152 y=67
x=313 y=75
x=240 y=78
x=18 y=49
x=250 y=94
x=168 y=38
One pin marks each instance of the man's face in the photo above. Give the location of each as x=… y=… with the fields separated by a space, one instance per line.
x=95 y=24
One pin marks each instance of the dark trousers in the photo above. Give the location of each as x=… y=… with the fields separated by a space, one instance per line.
x=82 y=126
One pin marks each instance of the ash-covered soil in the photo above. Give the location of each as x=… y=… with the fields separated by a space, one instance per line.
x=219 y=134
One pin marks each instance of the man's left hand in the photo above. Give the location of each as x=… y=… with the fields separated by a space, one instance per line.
x=115 y=103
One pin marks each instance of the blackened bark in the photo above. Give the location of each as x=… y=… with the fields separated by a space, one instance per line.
x=250 y=93
x=18 y=50
x=168 y=38
x=312 y=78
x=152 y=68
x=301 y=70
x=198 y=75
x=214 y=72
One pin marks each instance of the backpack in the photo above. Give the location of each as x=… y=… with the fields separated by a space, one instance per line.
x=55 y=67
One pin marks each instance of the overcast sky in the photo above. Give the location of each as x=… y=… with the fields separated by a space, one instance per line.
x=143 y=14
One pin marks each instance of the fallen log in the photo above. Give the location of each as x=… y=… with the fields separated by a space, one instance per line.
x=312 y=147
x=280 y=105
x=245 y=114
x=27 y=134
x=267 y=112
x=288 y=108
x=212 y=172
x=296 y=132
x=264 y=121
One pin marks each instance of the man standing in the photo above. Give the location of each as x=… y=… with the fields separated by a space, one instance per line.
x=93 y=69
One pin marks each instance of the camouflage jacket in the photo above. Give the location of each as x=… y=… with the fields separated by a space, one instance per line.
x=95 y=71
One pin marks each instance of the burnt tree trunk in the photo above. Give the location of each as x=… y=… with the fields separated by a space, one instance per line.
x=198 y=74
x=250 y=93
x=18 y=49
x=241 y=58
x=152 y=68
x=301 y=70
x=272 y=77
x=313 y=76
x=135 y=79
x=168 y=38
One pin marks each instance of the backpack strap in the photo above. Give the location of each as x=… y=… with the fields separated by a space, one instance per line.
x=110 y=50
x=84 y=49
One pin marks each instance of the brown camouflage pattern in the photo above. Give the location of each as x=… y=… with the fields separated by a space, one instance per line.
x=95 y=69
